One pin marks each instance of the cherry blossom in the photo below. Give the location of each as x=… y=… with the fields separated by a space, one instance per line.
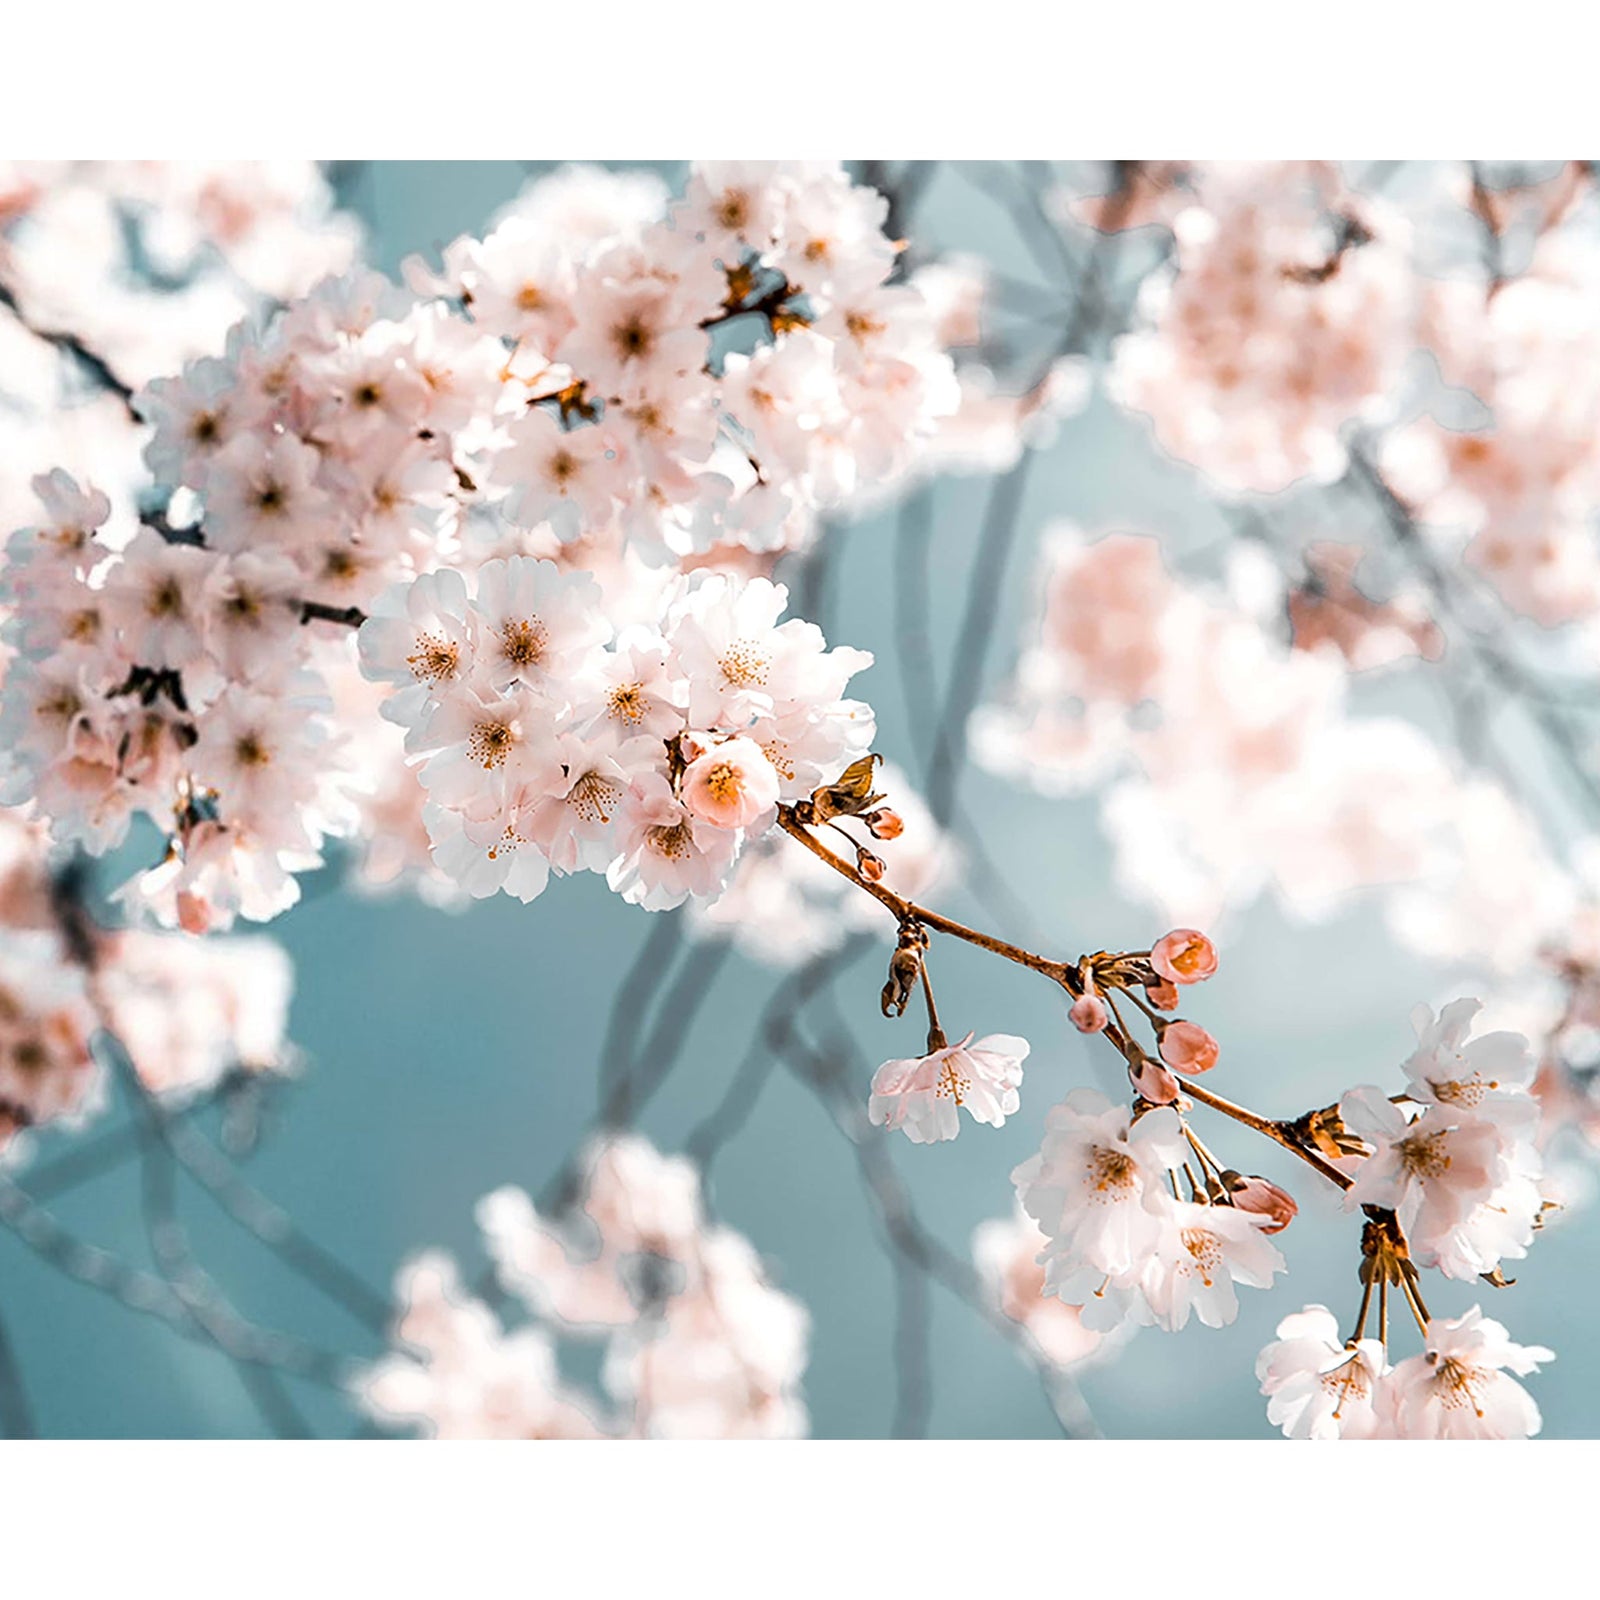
x=1462 y=1386
x=922 y=1096
x=1318 y=1386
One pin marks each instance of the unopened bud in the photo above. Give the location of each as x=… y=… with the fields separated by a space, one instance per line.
x=1088 y=1013
x=1187 y=1047
x=871 y=867
x=1184 y=956
x=885 y=824
x=1163 y=996
x=1151 y=1080
x=1263 y=1199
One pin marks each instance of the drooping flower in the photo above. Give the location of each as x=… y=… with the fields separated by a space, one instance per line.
x=1318 y=1386
x=1461 y=1387
x=923 y=1095
x=1201 y=1252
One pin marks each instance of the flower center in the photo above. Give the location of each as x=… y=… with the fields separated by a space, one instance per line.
x=744 y=666
x=249 y=751
x=1206 y=1249
x=434 y=659
x=1111 y=1169
x=726 y=782
x=594 y=797
x=522 y=643
x=1424 y=1155
x=1346 y=1381
x=1453 y=1382
x=672 y=841
x=490 y=743
x=626 y=702
x=166 y=599
x=952 y=1085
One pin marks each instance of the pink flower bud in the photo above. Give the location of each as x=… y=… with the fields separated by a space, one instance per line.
x=1163 y=996
x=1089 y=1014
x=1187 y=1047
x=871 y=867
x=1265 y=1200
x=1152 y=1081
x=886 y=824
x=1184 y=956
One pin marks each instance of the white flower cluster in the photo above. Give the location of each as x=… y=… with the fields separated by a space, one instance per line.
x=1456 y=1159
x=1118 y=1241
x=649 y=758
x=1460 y=1386
x=697 y=1343
x=1446 y=1175
x=733 y=364
x=631 y=388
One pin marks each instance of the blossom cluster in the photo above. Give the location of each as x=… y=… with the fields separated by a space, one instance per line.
x=186 y=1013
x=1446 y=1174
x=550 y=746
x=1230 y=763
x=1455 y=1156
x=1462 y=1385
x=697 y=1343
x=1286 y=315
x=607 y=383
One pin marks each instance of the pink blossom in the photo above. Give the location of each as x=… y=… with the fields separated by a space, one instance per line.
x=732 y=785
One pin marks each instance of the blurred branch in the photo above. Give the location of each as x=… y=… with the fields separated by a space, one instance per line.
x=16 y=1415
x=150 y=1295
x=97 y=368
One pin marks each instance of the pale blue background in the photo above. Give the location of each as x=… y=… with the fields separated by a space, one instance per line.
x=451 y=1054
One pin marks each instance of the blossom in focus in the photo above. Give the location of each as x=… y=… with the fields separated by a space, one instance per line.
x=1462 y=1386
x=1318 y=1386
x=1200 y=1253
x=923 y=1095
